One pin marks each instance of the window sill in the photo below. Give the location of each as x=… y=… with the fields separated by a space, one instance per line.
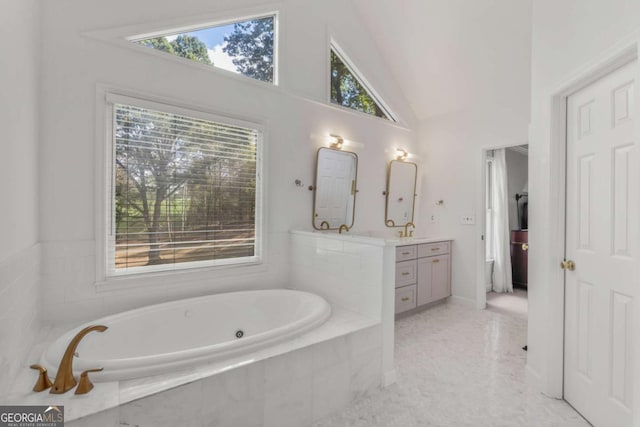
x=179 y=278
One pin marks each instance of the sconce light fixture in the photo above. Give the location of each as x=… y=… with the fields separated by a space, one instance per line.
x=401 y=154
x=336 y=141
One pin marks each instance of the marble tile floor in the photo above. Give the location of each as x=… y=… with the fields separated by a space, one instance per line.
x=458 y=366
x=515 y=303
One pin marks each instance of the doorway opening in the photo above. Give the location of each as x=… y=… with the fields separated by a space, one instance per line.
x=506 y=219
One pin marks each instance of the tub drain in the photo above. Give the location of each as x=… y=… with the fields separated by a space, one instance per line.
x=239 y=333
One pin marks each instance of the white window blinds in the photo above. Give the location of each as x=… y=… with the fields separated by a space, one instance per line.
x=184 y=191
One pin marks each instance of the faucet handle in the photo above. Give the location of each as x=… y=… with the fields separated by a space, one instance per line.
x=43 y=381
x=85 y=385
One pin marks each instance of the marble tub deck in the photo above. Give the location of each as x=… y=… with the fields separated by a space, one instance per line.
x=457 y=366
x=104 y=404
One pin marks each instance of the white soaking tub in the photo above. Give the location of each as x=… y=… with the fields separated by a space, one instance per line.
x=162 y=338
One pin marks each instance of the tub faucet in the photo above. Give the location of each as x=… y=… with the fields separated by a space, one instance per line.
x=406 y=226
x=64 y=377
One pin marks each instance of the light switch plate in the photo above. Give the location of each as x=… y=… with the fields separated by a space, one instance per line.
x=468 y=220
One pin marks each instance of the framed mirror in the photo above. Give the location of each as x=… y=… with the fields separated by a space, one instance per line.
x=401 y=193
x=335 y=189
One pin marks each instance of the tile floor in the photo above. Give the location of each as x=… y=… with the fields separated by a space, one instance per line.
x=515 y=304
x=458 y=366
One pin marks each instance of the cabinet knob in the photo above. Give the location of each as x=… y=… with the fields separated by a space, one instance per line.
x=525 y=247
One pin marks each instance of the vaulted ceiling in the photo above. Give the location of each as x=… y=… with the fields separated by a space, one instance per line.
x=450 y=55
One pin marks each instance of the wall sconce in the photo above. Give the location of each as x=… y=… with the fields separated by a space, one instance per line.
x=401 y=154
x=336 y=141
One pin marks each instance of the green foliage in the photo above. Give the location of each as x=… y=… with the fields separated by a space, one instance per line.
x=180 y=179
x=251 y=47
x=184 y=45
x=347 y=91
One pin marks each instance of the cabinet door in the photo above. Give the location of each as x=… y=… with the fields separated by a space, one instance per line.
x=434 y=281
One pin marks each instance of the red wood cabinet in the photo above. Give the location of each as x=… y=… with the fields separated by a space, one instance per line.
x=519 y=257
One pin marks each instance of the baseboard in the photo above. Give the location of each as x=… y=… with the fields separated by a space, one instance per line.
x=389 y=378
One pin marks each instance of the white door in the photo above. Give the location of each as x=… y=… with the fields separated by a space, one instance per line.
x=603 y=241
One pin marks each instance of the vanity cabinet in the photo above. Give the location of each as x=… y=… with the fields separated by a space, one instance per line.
x=423 y=274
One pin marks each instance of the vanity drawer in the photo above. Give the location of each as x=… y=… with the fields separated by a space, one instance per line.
x=406 y=273
x=405 y=298
x=404 y=253
x=432 y=249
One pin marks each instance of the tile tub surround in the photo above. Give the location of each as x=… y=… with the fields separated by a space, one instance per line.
x=292 y=389
x=466 y=369
x=110 y=395
x=19 y=313
x=353 y=271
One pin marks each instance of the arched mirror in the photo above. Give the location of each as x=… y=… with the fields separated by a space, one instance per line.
x=335 y=189
x=401 y=193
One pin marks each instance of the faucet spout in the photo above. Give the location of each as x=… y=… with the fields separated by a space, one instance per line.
x=64 y=377
x=406 y=227
x=343 y=227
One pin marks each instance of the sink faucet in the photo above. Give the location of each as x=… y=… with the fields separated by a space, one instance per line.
x=343 y=227
x=322 y=224
x=64 y=377
x=406 y=226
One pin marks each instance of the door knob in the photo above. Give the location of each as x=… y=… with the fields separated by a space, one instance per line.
x=568 y=265
x=525 y=247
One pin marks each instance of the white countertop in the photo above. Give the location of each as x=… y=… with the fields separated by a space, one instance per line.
x=404 y=241
x=372 y=238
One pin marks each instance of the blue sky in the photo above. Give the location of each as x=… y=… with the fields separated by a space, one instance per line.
x=214 y=39
x=213 y=36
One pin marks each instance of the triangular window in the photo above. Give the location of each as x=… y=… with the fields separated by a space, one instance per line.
x=349 y=89
x=243 y=47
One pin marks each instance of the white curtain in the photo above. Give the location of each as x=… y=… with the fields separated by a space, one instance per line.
x=500 y=226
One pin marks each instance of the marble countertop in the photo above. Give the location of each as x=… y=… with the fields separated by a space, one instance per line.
x=372 y=238
x=404 y=241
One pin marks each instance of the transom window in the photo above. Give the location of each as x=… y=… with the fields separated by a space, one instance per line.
x=185 y=189
x=244 y=47
x=348 y=88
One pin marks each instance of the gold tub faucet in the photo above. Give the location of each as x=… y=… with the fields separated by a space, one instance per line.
x=64 y=377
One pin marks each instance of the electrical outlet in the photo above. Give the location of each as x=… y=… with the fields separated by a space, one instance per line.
x=433 y=218
x=467 y=220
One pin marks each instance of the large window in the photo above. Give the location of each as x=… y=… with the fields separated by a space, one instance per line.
x=244 y=47
x=185 y=189
x=348 y=89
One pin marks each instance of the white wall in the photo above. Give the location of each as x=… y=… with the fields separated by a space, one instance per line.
x=566 y=36
x=517 y=177
x=74 y=64
x=19 y=249
x=451 y=143
x=451 y=149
